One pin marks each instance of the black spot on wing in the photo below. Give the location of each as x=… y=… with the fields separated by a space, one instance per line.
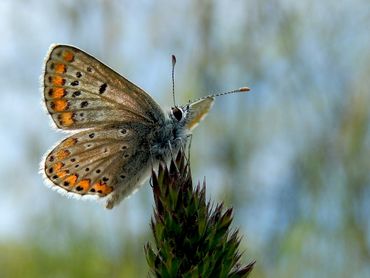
x=76 y=93
x=75 y=83
x=102 y=88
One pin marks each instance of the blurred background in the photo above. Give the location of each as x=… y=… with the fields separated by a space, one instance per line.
x=292 y=156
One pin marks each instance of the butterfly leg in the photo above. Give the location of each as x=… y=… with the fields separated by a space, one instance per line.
x=170 y=148
x=190 y=136
x=184 y=144
x=151 y=159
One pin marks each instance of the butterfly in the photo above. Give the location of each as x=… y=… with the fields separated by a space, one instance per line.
x=117 y=132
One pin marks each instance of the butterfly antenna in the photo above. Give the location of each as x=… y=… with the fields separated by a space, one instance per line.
x=240 y=90
x=173 y=79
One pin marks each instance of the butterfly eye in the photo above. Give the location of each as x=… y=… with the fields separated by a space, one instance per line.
x=177 y=113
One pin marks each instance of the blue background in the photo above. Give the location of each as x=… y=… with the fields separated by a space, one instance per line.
x=292 y=156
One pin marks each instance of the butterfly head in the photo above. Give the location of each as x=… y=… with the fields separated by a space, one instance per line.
x=188 y=116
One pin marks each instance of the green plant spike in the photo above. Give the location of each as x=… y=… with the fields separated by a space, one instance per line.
x=192 y=238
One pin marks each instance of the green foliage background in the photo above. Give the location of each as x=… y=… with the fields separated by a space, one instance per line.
x=292 y=157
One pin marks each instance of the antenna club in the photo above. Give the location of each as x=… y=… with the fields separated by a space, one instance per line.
x=240 y=90
x=173 y=59
x=244 y=89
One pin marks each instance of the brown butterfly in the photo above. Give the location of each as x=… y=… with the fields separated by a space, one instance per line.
x=117 y=131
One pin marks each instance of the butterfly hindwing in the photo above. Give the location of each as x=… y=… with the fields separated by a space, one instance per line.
x=98 y=162
x=81 y=92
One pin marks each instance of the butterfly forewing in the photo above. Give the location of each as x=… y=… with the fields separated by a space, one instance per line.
x=82 y=92
x=197 y=111
x=97 y=162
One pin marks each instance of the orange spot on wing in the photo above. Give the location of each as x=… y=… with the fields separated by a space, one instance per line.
x=102 y=188
x=107 y=189
x=82 y=186
x=60 y=68
x=66 y=119
x=71 y=179
x=62 y=154
x=58 y=80
x=60 y=105
x=61 y=174
x=68 y=56
x=58 y=92
x=57 y=166
x=69 y=142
